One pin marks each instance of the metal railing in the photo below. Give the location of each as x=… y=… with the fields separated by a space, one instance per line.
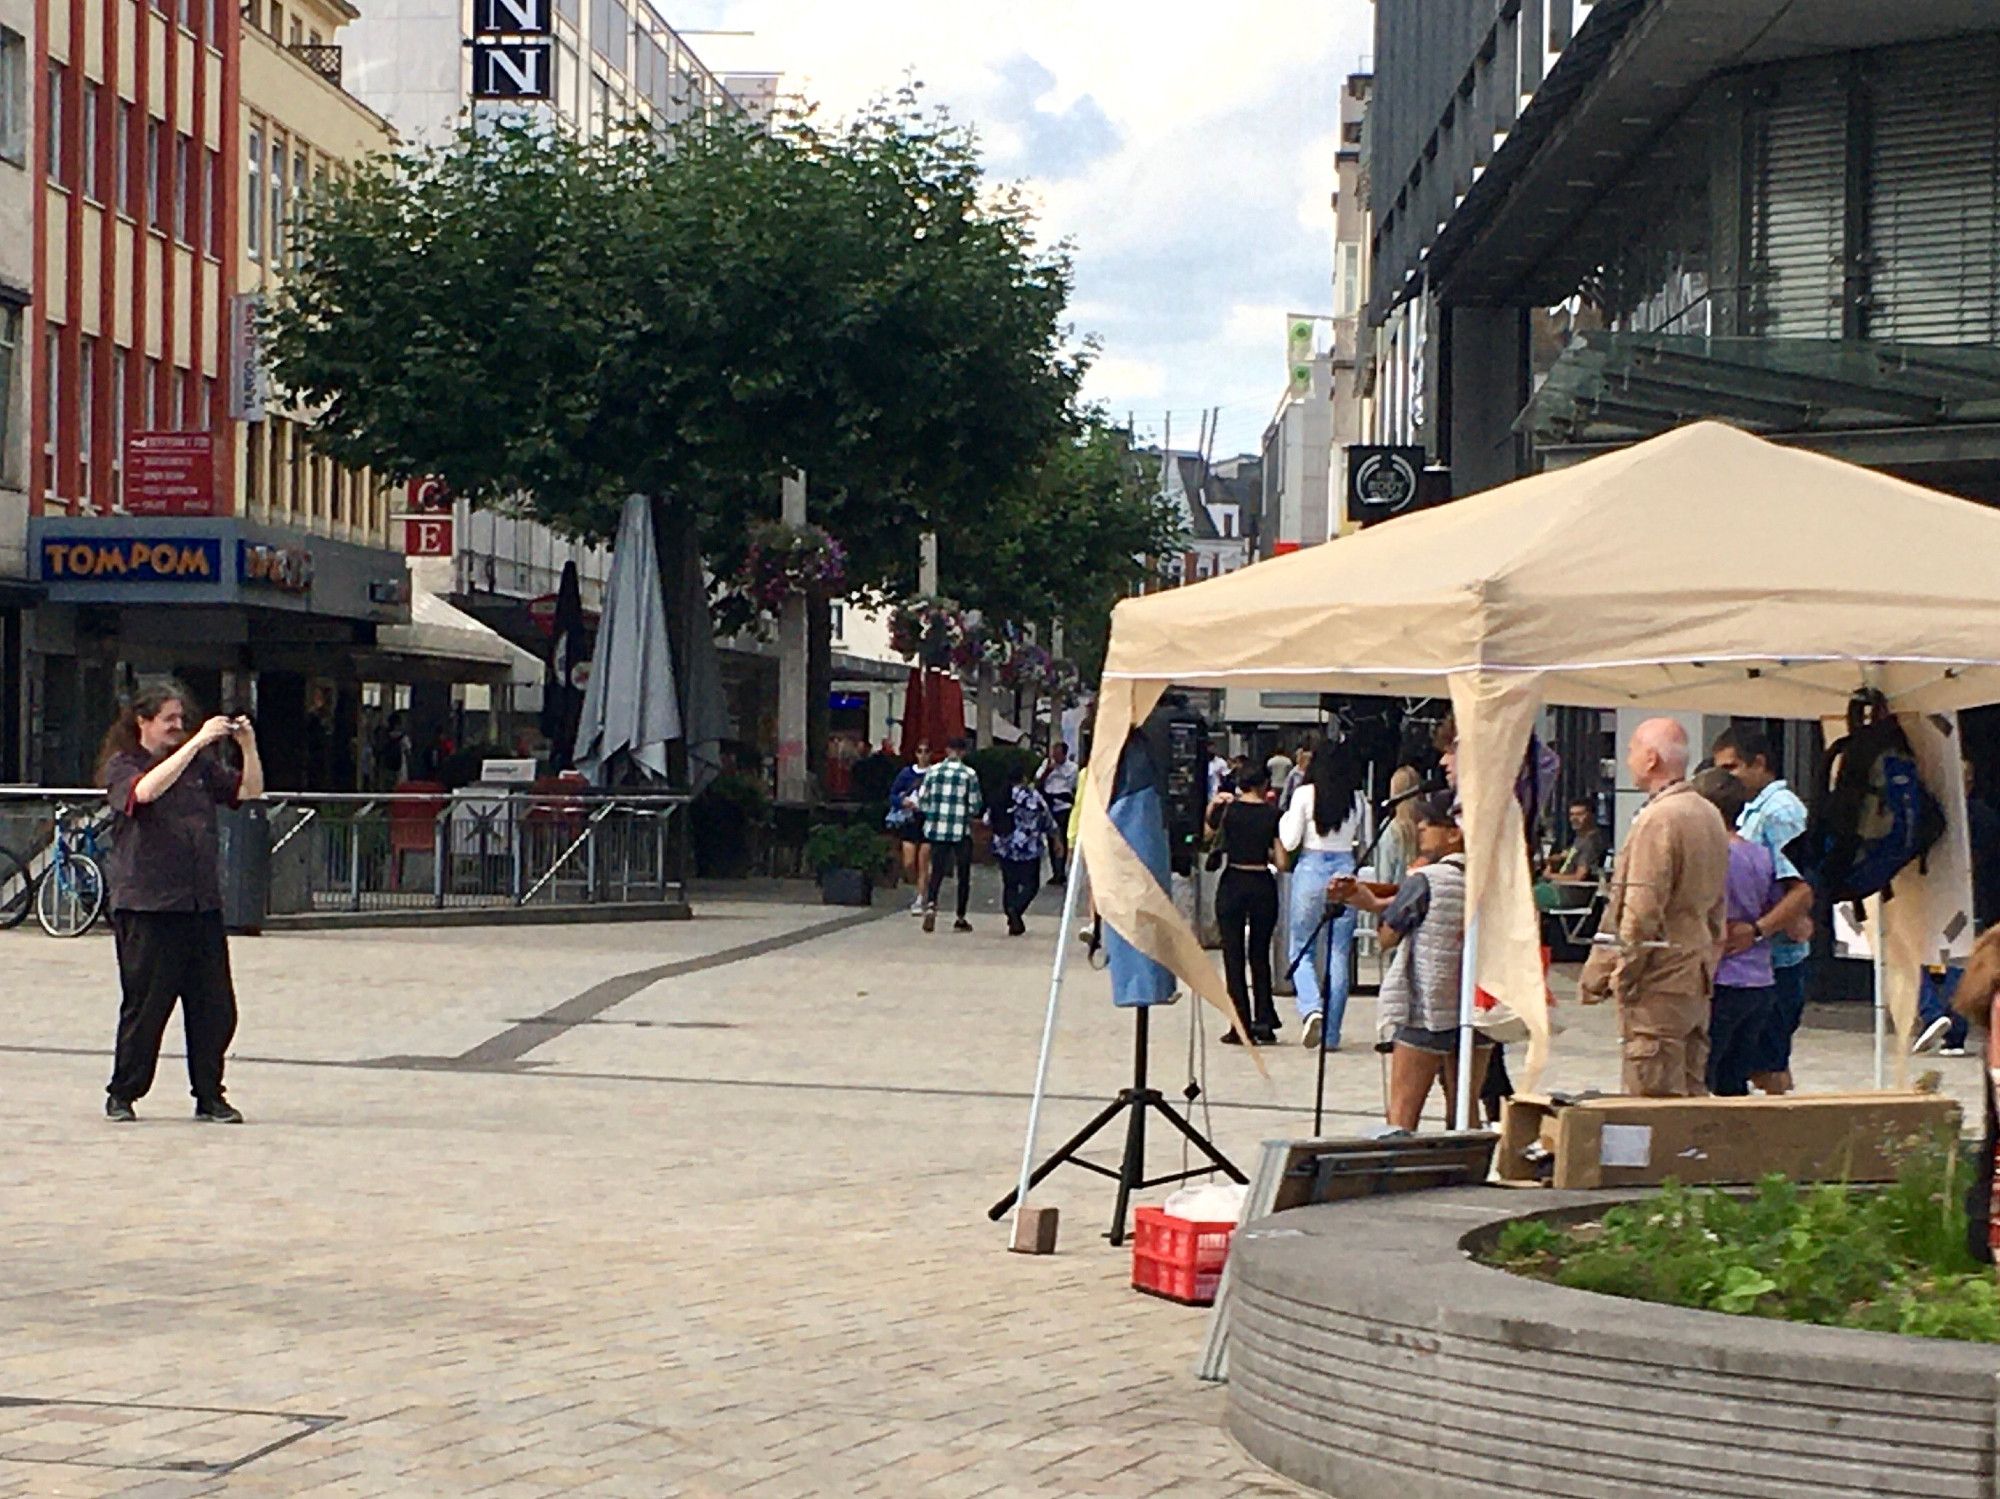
x=480 y=847
x=322 y=58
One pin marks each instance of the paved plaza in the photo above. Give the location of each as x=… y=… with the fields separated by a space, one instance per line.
x=691 y=1208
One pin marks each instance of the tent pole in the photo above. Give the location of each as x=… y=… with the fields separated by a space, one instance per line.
x=1468 y=982
x=1048 y=1029
x=1875 y=945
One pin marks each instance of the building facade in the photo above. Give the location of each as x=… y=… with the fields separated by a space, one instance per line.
x=1594 y=223
x=1353 y=394
x=1297 y=462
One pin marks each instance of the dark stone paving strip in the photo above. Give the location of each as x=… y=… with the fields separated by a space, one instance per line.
x=514 y=1043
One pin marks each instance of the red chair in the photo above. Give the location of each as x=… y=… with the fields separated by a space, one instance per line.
x=413 y=824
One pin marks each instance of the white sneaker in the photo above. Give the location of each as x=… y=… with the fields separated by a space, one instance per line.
x=1309 y=1038
x=1952 y=1051
x=1932 y=1036
x=917 y=906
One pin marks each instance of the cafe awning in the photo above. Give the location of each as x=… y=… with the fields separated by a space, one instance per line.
x=441 y=636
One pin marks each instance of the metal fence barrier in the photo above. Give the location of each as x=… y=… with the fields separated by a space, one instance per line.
x=359 y=851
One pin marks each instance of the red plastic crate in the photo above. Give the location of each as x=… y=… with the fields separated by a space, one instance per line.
x=1176 y=1258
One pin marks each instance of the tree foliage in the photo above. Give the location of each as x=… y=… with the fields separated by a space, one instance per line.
x=555 y=323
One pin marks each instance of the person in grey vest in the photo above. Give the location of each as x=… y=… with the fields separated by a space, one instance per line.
x=1424 y=927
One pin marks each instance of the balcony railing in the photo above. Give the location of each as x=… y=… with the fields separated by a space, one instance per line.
x=322 y=58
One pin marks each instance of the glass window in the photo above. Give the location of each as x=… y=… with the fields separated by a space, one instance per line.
x=571 y=11
x=214 y=176
x=149 y=398
x=156 y=172
x=253 y=463
x=10 y=356
x=253 y=203
x=183 y=186
x=121 y=159
x=277 y=200
x=277 y=21
x=119 y=359
x=13 y=96
x=92 y=101
x=86 y=404
x=178 y=410
x=56 y=134
x=299 y=183
x=52 y=436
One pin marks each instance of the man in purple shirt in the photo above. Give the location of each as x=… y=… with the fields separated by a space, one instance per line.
x=1758 y=903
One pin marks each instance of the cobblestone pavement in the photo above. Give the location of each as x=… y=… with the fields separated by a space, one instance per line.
x=639 y=1210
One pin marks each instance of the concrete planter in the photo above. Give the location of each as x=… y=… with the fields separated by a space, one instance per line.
x=1370 y=1358
x=846 y=887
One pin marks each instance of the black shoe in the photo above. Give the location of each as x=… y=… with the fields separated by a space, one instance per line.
x=118 y=1110
x=1016 y=927
x=1263 y=1038
x=1231 y=1038
x=961 y=925
x=217 y=1112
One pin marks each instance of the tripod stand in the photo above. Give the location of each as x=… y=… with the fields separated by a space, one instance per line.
x=1133 y=1102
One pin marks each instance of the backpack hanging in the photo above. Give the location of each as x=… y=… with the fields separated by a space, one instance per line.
x=1872 y=815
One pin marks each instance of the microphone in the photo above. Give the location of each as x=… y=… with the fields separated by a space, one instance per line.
x=1422 y=788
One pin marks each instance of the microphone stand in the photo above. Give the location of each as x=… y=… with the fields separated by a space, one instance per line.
x=1332 y=913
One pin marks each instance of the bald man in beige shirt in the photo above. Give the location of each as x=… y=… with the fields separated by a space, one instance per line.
x=1665 y=922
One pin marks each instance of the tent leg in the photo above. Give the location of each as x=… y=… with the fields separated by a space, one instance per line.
x=1468 y=983
x=1875 y=945
x=1048 y=1030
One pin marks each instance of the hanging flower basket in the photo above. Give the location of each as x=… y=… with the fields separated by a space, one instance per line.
x=927 y=630
x=980 y=645
x=784 y=562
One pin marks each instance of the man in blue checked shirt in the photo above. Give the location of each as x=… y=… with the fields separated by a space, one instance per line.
x=1774 y=817
x=950 y=802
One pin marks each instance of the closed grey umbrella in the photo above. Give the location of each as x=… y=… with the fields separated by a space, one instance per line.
x=630 y=712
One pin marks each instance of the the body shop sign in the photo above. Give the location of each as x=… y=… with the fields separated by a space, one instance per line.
x=72 y=558
x=170 y=473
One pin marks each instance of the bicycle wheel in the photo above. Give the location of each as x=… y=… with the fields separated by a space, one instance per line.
x=70 y=896
x=17 y=891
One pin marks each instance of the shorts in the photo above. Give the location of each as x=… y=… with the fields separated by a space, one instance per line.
x=1437 y=1043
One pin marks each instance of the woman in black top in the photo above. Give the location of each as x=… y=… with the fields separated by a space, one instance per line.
x=1246 y=904
x=164 y=786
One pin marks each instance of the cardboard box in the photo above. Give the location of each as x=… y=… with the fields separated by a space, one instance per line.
x=1641 y=1142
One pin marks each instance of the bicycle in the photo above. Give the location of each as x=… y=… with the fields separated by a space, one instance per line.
x=70 y=894
x=17 y=890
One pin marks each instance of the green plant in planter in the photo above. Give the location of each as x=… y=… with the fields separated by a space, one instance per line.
x=745 y=793
x=994 y=765
x=831 y=846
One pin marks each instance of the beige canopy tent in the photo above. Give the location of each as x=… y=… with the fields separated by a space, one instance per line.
x=1706 y=570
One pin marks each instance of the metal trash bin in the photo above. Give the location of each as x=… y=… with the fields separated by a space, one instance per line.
x=246 y=867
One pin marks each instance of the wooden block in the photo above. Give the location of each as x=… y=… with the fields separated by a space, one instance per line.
x=1034 y=1231
x=1633 y=1142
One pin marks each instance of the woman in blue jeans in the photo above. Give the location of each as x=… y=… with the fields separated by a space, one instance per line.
x=1320 y=828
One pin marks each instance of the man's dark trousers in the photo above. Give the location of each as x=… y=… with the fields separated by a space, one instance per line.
x=943 y=856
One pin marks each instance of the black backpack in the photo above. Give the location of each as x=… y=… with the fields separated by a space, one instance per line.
x=1873 y=815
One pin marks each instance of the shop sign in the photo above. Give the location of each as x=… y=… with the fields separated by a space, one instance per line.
x=170 y=473
x=512 y=70
x=131 y=559
x=249 y=386
x=428 y=496
x=511 y=17
x=287 y=569
x=427 y=536
x=1385 y=482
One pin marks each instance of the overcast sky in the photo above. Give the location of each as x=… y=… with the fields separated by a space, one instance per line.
x=1186 y=148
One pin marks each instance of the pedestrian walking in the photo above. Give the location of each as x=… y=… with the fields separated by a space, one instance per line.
x=1664 y=922
x=1246 y=902
x=1022 y=827
x=949 y=801
x=1320 y=826
x=1057 y=781
x=164 y=785
x=1774 y=817
x=906 y=824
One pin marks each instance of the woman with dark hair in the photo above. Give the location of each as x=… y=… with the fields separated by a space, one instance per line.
x=166 y=890
x=1246 y=902
x=1320 y=826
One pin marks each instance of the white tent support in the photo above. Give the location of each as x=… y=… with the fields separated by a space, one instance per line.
x=1063 y=940
x=1468 y=984
x=1875 y=946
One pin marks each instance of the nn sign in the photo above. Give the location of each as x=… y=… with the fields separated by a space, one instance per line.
x=513 y=57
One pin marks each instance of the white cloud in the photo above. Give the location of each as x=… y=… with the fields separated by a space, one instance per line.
x=1188 y=152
